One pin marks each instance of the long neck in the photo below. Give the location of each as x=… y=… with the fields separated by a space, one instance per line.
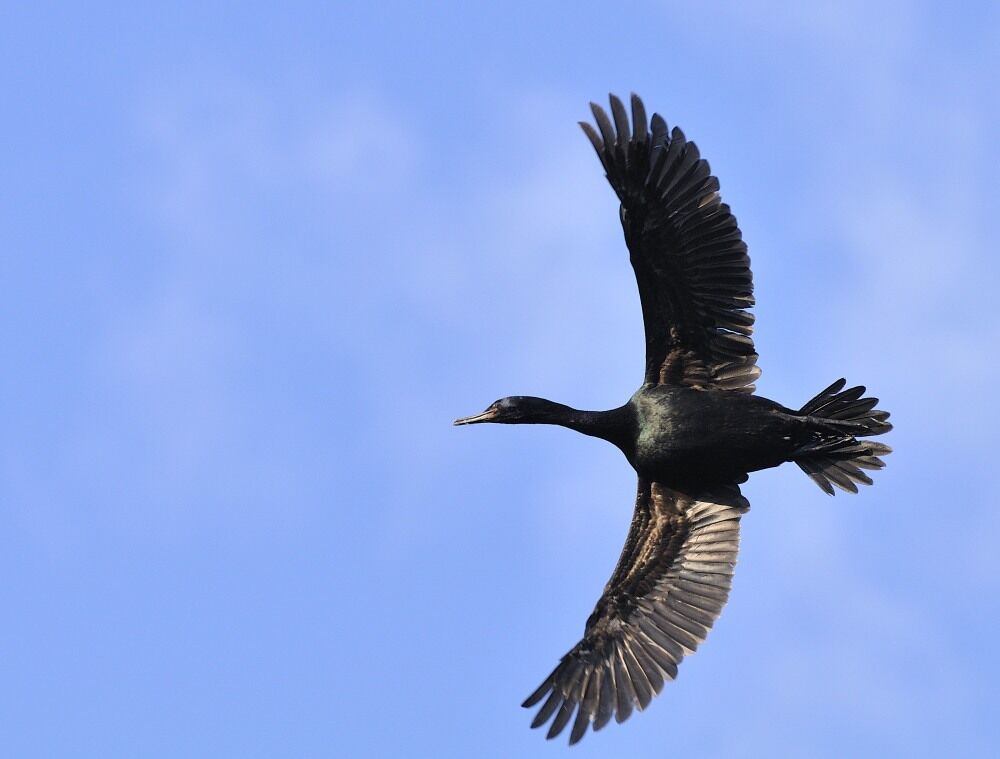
x=612 y=425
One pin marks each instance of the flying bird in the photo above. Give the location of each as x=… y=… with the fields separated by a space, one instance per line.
x=693 y=431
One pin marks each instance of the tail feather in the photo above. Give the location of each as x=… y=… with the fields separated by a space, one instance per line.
x=835 y=456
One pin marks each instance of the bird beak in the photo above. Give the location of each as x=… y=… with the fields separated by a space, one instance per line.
x=487 y=416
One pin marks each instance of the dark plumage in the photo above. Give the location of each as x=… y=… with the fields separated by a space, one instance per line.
x=693 y=430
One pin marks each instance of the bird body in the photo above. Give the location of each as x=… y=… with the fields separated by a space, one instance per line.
x=693 y=431
x=692 y=436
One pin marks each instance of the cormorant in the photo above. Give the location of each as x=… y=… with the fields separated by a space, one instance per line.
x=693 y=430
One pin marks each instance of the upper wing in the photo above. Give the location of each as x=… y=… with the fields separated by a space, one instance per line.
x=688 y=254
x=670 y=585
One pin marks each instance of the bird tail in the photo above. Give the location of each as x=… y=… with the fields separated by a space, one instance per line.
x=835 y=455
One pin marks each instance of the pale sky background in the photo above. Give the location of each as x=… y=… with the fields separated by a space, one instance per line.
x=254 y=261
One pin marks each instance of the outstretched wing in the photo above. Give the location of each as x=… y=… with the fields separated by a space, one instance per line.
x=690 y=261
x=670 y=585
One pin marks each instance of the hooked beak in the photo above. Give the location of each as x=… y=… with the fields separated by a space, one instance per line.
x=487 y=416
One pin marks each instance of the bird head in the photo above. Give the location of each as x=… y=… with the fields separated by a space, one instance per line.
x=512 y=410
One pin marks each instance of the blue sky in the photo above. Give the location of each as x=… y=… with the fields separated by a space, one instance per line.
x=254 y=262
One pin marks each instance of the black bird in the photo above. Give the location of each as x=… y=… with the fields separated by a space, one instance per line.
x=692 y=432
